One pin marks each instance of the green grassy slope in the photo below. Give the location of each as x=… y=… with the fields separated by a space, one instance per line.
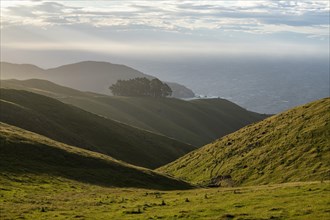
x=197 y=122
x=291 y=146
x=44 y=179
x=71 y=125
x=42 y=197
x=26 y=153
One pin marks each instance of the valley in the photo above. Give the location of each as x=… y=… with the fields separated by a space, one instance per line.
x=74 y=126
x=30 y=155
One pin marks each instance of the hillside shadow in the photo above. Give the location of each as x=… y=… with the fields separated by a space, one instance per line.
x=25 y=158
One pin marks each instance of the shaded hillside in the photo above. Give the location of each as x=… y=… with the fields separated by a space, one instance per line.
x=86 y=76
x=291 y=146
x=71 y=125
x=25 y=153
x=197 y=121
x=44 y=87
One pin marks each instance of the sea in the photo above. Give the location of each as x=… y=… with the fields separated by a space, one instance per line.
x=262 y=84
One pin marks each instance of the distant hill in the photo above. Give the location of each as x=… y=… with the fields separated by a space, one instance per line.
x=288 y=147
x=26 y=153
x=74 y=126
x=180 y=91
x=197 y=122
x=20 y=71
x=86 y=76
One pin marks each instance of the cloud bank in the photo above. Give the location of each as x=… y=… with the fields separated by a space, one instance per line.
x=168 y=27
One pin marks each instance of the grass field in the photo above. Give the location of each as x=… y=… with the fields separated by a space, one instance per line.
x=44 y=197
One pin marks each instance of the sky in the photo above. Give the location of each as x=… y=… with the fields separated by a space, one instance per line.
x=50 y=32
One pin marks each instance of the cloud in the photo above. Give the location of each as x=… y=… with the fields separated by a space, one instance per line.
x=189 y=14
x=17 y=11
x=167 y=25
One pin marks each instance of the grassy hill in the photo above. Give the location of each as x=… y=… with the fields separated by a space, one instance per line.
x=44 y=179
x=86 y=76
x=291 y=146
x=26 y=153
x=74 y=126
x=197 y=122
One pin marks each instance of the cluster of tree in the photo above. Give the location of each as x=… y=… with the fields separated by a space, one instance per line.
x=141 y=87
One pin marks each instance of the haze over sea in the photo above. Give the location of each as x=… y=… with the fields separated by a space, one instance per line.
x=265 y=85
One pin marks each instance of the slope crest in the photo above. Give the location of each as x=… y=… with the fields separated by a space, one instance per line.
x=26 y=153
x=91 y=76
x=291 y=146
x=74 y=126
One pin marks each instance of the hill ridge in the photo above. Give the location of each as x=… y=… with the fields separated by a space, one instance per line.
x=288 y=147
x=197 y=122
x=94 y=76
x=24 y=152
x=74 y=126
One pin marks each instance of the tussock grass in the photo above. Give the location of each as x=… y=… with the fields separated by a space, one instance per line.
x=291 y=146
x=45 y=197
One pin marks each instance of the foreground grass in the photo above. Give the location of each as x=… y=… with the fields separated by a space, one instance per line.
x=45 y=197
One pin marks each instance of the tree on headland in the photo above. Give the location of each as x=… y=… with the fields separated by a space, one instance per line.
x=141 y=87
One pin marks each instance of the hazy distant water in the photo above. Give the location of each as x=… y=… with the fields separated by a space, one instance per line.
x=261 y=85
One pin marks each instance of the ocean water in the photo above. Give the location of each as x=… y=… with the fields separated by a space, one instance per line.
x=264 y=85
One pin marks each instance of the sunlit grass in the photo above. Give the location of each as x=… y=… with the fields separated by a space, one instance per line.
x=46 y=197
x=288 y=147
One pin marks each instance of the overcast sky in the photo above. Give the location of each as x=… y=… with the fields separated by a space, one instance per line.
x=159 y=28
